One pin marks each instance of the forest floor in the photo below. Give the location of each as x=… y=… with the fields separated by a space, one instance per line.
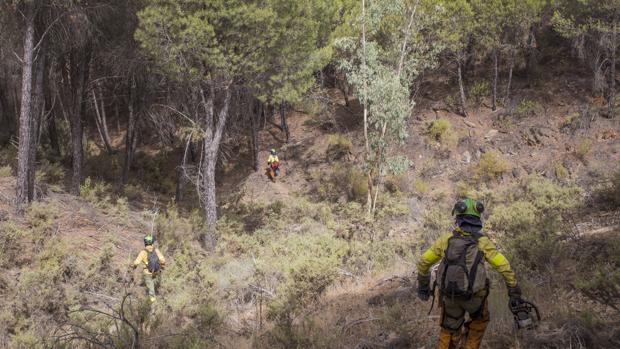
x=555 y=135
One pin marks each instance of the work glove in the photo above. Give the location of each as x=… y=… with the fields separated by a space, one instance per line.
x=424 y=287
x=514 y=293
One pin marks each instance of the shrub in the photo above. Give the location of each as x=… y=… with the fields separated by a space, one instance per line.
x=438 y=129
x=397 y=184
x=561 y=173
x=420 y=186
x=307 y=281
x=436 y=221
x=608 y=194
x=10 y=237
x=133 y=192
x=95 y=193
x=525 y=108
x=5 y=171
x=572 y=121
x=41 y=218
x=49 y=172
x=529 y=215
x=492 y=165
x=602 y=285
x=478 y=91
x=339 y=147
x=452 y=102
x=340 y=181
x=583 y=148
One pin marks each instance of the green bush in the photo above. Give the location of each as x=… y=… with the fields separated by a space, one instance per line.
x=339 y=147
x=41 y=217
x=420 y=187
x=608 y=194
x=583 y=148
x=602 y=285
x=51 y=173
x=525 y=108
x=5 y=171
x=95 y=193
x=10 y=243
x=530 y=217
x=561 y=172
x=306 y=282
x=438 y=129
x=340 y=181
x=478 y=91
x=133 y=192
x=492 y=166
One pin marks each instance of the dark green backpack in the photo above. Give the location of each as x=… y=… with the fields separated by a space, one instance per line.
x=153 y=265
x=461 y=272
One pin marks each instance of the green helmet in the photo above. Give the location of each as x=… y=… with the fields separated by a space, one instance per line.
x=272 y=151
x=149 y=240
x=468 y=206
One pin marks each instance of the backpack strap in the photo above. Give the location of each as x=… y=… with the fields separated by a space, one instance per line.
x=474 y=270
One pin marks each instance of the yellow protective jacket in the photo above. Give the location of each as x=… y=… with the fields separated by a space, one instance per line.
x=143 y=259
x=272 y=158
x=497 y=260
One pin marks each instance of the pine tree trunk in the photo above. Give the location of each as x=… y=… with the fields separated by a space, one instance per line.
x=283 y=123
x=210 y=151
x=25 y=122
x=512 y=63
x=462 y=91
x=38 y=104
x=181 y=178
x=79 y=64
x=612 y=71
x=52 y=132
x=209 y=239
x=254 y=133
x=495 y=77
x=344 y=88
x=101 y=122
x=130 y=135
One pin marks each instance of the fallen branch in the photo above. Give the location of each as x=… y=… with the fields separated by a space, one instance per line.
x=262 y=290
x=351 y=324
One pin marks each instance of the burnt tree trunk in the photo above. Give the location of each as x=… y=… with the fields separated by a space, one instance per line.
x=283 y=123
x=495 y=77
x=210 y=148
x=462 y=90
x=25 y=117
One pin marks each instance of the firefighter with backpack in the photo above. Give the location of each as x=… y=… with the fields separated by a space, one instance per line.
x=461 y=277
x=152 y=262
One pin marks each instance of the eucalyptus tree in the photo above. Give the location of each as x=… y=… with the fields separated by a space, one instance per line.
x=384 y=53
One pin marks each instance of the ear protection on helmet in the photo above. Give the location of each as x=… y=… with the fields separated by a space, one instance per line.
x=468 y=206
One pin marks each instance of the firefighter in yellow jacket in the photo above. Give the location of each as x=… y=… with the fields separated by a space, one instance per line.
x=152 y=262
x=273 y=161
x=461 y=278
